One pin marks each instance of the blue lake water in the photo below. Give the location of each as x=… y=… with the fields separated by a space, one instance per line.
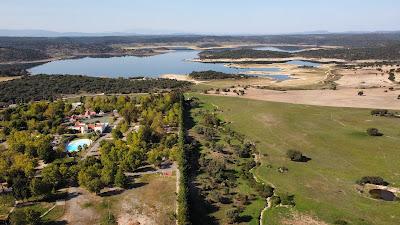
x=174 y=62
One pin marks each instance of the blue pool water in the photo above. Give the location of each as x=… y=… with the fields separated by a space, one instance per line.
x=74 y=145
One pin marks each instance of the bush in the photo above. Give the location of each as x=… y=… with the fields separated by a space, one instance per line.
x=242 y=199
x=296 y=156
x=379 y=112
x=392 y=77
x=120 y=179
x=287 y=199
x=117 y=134
x=372 y=180
x=275 y=201
x=374 y=132
x=214 y=196
x=340 y=222
x=108 y=219
x=199 y=129
x=232 y=215
x=243 y=152
x=27 y=216
x=283 y=169
x=266 y=191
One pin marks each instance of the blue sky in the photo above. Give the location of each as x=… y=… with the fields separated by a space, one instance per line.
x=201 y=16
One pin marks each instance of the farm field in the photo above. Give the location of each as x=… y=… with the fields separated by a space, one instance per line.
x=341 y=153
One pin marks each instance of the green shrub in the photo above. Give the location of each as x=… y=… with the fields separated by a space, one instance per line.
x=296 y=156
x=26 y=217
x=372 y=180
x=287 y=199
x=379 y=112
x=275 y=201
x=232 y=215
x=340 y=222
x=108 y=219
x=374 y=132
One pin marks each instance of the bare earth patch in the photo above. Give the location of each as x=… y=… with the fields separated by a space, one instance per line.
x=152 y=203
x=365 y=77
x=4 y=79
x=302 y=219
x=180 y=77
x=348 y=97
x=76 y=209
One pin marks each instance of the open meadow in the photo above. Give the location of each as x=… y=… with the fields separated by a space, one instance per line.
x=340 y=153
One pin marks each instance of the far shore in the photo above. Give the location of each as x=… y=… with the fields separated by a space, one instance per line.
x=181 y=77
x=4 y=79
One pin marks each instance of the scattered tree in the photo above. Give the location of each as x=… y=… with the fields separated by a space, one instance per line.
x=374 y=132
x=296 y=156
x=120 y=179
x=232 y=215
x=372 y=180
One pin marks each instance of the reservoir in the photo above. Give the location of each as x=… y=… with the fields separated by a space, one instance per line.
x=174 y=62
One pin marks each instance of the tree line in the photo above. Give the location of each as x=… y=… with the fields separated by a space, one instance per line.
x=39 y=87
x=385 y=52
x=214 y=75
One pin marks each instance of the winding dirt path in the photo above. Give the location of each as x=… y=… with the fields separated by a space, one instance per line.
x=257 y=160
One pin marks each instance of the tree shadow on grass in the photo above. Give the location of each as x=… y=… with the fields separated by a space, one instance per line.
x=136 y=185
x=245 y=218
x=63 y=222
x=304 y=159
x=145 y=169
x=187 y=118
x=200 y=209
x=112 y=192
x=72 y=195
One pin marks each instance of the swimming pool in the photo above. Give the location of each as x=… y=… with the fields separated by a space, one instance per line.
x=73 y=146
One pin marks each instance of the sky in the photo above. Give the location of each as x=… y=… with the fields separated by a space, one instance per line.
x=201 y=16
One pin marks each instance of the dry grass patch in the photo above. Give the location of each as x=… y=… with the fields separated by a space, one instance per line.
x=297 y=218
x=153 y=202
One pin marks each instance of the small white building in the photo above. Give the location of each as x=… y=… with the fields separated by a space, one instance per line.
x=76 y=105
x=88 y=128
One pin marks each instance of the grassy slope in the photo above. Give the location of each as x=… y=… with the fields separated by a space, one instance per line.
x=341 y=153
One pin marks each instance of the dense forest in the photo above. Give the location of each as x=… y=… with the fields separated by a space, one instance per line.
x=53 y=86
x=20 y=54
x=387 y=52
x=242 y=53
x=11 y=70
x=390 y=52
x=213 y=75
x=36 y=48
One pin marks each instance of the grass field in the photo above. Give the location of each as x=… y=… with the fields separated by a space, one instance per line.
x=340 y=150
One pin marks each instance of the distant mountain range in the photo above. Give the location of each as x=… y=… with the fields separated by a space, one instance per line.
x=47 y=33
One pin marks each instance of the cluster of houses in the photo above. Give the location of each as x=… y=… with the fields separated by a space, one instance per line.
x=84 y=127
